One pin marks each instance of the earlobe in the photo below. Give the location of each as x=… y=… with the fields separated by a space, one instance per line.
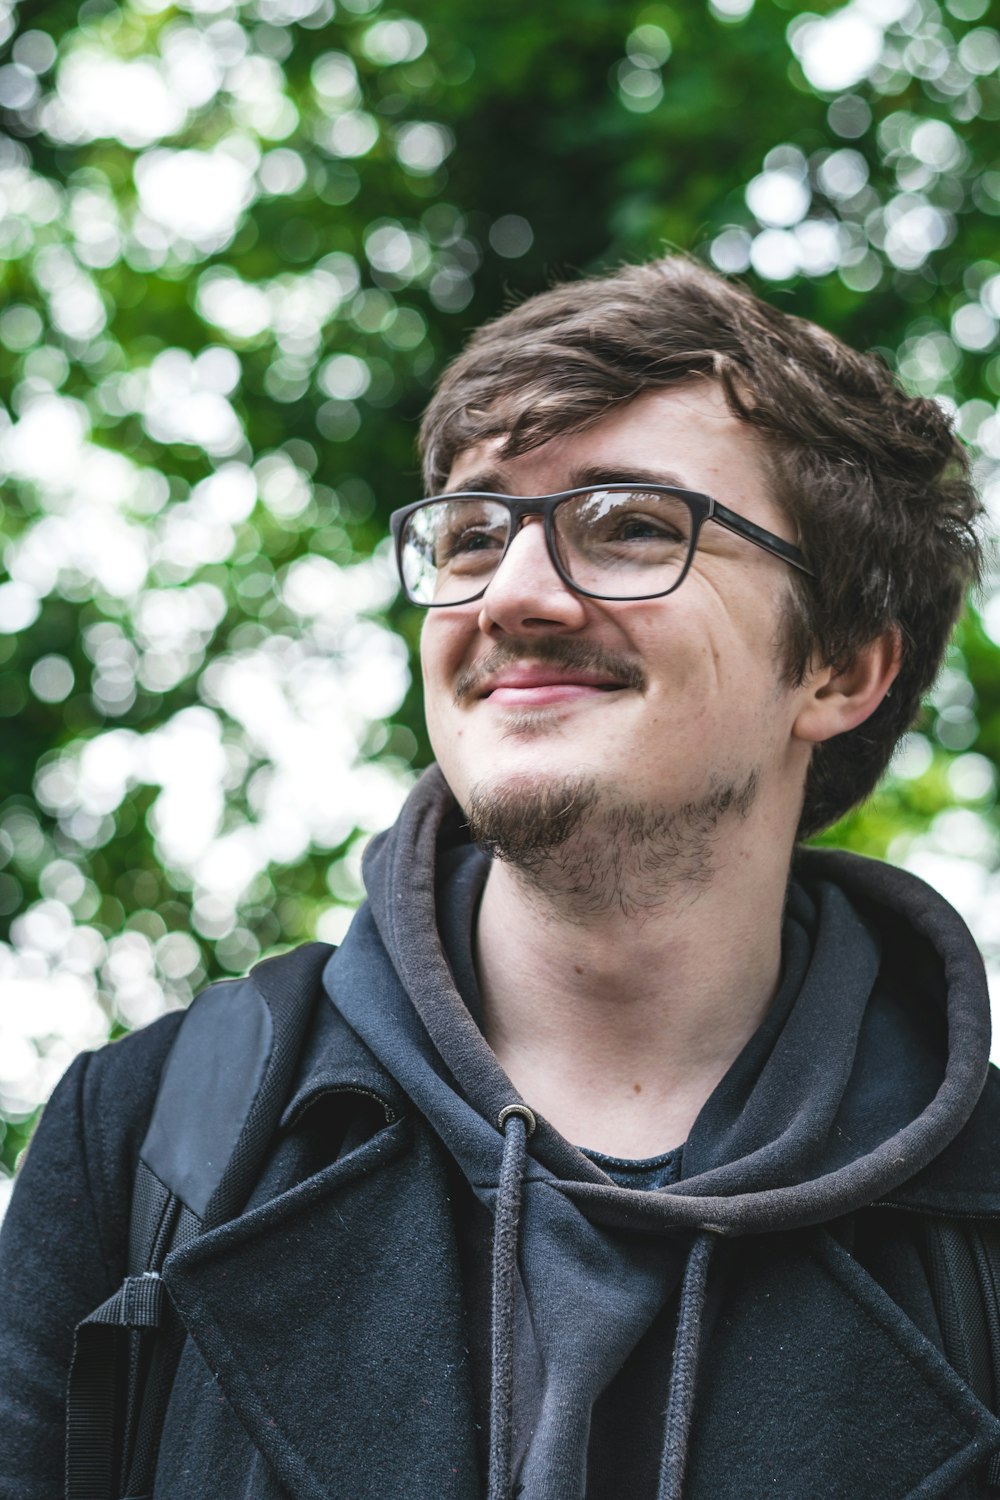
x=839 y=699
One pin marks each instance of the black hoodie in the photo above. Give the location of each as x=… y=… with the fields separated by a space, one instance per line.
x=762 y=1326
x=869 y=1062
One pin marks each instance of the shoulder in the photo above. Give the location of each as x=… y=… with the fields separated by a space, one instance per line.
x=63 y=1244
x=118 y=1076
x=965 y=1179
x=973 y=1161
x=118 y=1089
x=86 y=1148
x=87 y=1143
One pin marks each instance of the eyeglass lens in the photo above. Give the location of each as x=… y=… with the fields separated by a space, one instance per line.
x=619 y=544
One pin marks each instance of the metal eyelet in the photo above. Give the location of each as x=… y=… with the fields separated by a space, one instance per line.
x=517 y=1109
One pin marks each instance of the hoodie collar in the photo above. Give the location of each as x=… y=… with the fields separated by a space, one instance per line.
x=884 y=950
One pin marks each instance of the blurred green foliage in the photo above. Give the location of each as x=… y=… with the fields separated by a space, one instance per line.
x=240 y=242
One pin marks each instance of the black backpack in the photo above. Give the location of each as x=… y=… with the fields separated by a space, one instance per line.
x=221 y=1094
x=226 y=1080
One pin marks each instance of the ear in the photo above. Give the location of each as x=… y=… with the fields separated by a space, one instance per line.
x=838 y=700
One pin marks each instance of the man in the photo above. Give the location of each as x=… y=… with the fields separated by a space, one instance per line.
x=625 y=1138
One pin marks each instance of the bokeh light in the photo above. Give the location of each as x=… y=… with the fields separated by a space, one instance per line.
x=238 y=239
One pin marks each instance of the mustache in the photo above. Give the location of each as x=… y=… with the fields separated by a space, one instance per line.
x=551 y=651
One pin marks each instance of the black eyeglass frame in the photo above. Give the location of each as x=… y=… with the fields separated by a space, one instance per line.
x=702 y=508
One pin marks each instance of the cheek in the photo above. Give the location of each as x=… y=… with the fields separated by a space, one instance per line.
x=433 y=691
x=433 y=654
x=441 y=659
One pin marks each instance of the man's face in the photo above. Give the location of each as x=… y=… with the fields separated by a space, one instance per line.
x=657 y=702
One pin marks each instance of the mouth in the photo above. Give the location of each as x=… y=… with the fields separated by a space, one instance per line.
x=539 y=686
x=547 y=672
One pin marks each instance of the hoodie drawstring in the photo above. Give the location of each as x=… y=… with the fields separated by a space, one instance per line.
x=516 y=1122
x=680 y=1404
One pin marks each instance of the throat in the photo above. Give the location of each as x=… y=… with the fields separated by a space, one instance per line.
x=616 y=1021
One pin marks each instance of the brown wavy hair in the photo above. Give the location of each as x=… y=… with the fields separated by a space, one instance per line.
x=875 y=480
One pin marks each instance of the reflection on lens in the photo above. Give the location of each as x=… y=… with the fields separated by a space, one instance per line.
x=626 y=544
x=451 y=549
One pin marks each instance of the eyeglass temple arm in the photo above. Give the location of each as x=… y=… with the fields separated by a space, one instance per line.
x=760 y=537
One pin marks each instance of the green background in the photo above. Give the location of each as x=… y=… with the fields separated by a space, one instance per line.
x=239 y=242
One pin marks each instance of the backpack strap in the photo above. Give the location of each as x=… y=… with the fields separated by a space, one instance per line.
x=964 y=1267
x=221 y=1093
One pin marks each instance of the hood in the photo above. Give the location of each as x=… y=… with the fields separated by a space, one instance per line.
x=868 y=1065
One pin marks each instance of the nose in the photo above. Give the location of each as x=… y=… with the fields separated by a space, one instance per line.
x=526 y=596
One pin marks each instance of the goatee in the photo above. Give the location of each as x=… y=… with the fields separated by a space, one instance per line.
x=586 y=854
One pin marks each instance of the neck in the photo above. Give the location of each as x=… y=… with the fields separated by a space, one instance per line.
x=616 y=1018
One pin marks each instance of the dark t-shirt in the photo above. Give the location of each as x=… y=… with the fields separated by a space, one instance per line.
x=645 y=1172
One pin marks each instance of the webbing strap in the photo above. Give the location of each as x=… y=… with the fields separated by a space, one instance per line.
x=986 y=1250
x=106 y=1346
x=964 y=1270
x=138 y=1303
x=150 y=1381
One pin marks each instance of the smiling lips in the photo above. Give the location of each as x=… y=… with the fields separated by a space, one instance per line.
x=534 y=686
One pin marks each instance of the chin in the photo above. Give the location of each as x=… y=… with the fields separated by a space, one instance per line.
x=536 y=784
x=521 y=816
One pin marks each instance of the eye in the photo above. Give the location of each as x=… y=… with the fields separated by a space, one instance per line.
x=637 y=527
x=470 y=539
x=638 y=518
x=466 y=541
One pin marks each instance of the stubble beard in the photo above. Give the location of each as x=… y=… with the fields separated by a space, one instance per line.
x=586 y=853
x=575 y=845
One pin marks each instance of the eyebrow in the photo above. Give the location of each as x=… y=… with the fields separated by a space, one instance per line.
x=492 y=481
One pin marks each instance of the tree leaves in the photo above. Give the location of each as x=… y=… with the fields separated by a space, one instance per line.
x=240 y=241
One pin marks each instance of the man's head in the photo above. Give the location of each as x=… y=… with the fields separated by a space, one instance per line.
x=870 y=483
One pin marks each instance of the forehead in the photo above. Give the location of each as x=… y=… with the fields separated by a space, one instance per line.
x=685 y=435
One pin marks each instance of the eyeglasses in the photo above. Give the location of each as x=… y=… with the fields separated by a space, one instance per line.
x=611 y=541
